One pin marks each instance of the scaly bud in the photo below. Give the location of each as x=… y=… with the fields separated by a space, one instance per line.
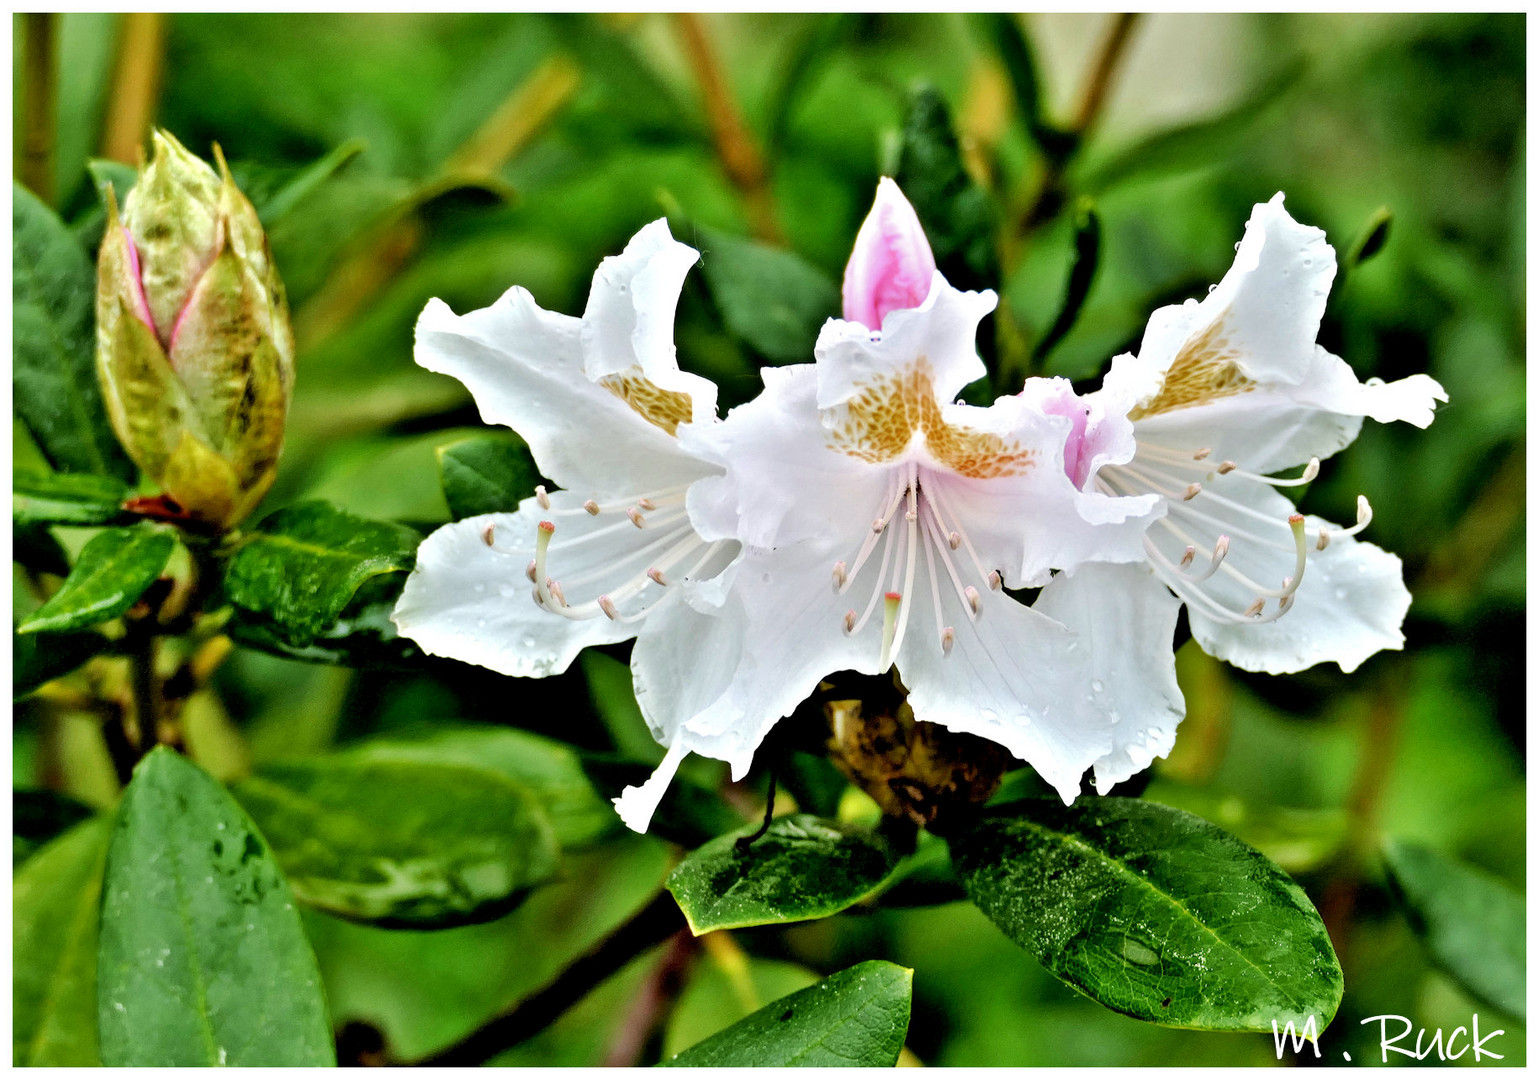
x=193 y=344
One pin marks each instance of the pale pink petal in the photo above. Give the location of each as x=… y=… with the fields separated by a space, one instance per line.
x=891 y=265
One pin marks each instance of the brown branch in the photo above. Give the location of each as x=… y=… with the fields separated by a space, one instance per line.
x=652 y=924
x=1102 y=71
x=522 y=115
x=135 y=86
x=40 y=103
x=739 y=155
x=649 y=1009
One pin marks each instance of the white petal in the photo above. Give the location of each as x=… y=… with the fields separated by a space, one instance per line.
x=636 y=805
x=1127 y=620
x=1350 y=604
x=1030 y=521
x=523 y=365
x=628 y=322
x=942 y=332
x=474 y=603
x=782 y=484
x=1013 y=676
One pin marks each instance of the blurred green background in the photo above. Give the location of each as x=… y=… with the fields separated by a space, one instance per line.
x=483 y=151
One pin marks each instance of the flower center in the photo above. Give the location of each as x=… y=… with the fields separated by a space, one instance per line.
x=927 y=523
x=1195 y=510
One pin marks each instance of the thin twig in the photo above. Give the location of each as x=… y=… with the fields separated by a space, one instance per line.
x=135 y=86
x=739 y=155
x=650 y=1007
x=652 y=924
x=40 y=89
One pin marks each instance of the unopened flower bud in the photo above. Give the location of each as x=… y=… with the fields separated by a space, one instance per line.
x=891 y=266
x=193 y=344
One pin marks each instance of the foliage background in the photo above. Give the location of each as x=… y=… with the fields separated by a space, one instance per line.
x=521 y=149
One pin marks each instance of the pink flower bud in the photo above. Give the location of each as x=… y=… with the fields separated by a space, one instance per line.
x=891 y=266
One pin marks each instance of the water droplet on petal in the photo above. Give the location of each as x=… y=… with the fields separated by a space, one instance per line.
x=1097 y=685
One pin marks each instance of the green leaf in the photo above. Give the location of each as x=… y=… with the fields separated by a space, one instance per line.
x=40 y=816
x=203 y=959
x=1082 y=268
x=957 y=215
x=858 y=1016
x=68 y=499
x=112 y=572
x=725 y=987
x=817 y=44
x=299 y=567
x=402 y=842
x=38 y=658
x=53 y=288
x=274 y=192
x=1472 y=924
x=774 y=300
x=1190 y=146
x=55 y=901
x=1152 y=912
x=116 y=175
x=486 y=474
x=1371 y=238
x=551 y=771
x=362 y=636
x=802 y=868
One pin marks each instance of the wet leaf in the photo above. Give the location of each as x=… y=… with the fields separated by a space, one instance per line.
x=299 y=567
x=1472 y=924
x=54 y=912
x=802 y=868
x=725 y=987
x=404 y=841
x=486 y=474
x=1152 y=912
x=203 y=960
x=858 y=1016
x=112 y=572
x=67 y=499
x=53 y=288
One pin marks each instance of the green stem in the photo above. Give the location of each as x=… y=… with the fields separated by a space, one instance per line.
x=40 y=90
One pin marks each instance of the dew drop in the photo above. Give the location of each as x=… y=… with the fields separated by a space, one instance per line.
x=1097 y=685
x=1341 y=594
x=988 y=714
x=1136 y=952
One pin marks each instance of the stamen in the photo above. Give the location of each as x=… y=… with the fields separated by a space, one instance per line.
x=489 y=534
x=657 y=575
x=1311 y=471
x=1255 y=609
x=841 y=575
x=995 y=581
x=607 y=606
x=912 y=537
x=1200 y=454
x=542 y=496
x=646 y=504
x=973 y=600
x=1325 y=538
x=948 y=639
x=592 y=507
x=542 y=537
x=849 y=621
x=636 y=519
x=955 y=540
x=529 y=571
x=893 y=602
x=878 y=525
x=1192 y=491
x=554 y=588
x=1188 y=555
x=1364 y=516
x=1226 y=467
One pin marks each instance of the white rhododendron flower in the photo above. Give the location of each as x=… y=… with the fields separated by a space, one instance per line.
x=880 y=521
x=1223 y=393
x=599 y=400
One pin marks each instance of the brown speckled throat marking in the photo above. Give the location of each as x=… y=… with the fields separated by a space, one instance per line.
x=879 y=423
x=1205 y=369
x=666 y=409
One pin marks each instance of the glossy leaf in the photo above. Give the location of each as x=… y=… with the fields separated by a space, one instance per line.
x=203 y=960
x=486 y=474
x=773 y=299
x=402 y=842
x=68 y=499
x=301 y=566
x=38 y=658
x=1152 y=912
x=551 y=771
x=36 y=548
x=112 y=572
x=956 y=213
x=55 y=902
x=858 y=1016
x=362 y=636
x=1473 y=925
x=53 y=288
x=724 y=987
x=802 y=868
